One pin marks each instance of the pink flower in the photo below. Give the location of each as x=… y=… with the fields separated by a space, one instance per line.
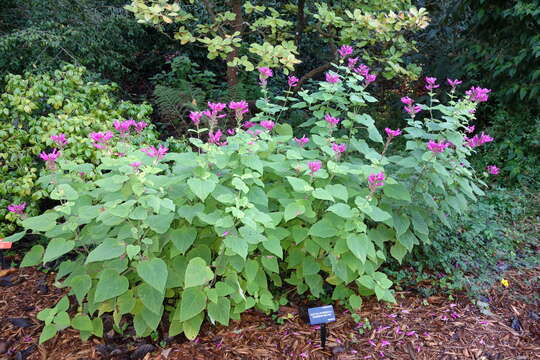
x=314 y=166
x=392 y=133
x=248 y=124
x=195 y=117
x=331 y=120
x=478 y=140
x=431 y=83
x=369 y=79
x=268 y=125
x=362 y=70
x=266 y=72
x=136 y=165
x=345 y=50
x=213 y=138
x=51 y=157
x=123 y=126
x=60 y=140
x=407 y=100
x=17 y=208
x=351 y=62
x=293 y=81
x=158 y=153
x=493 y=170
x=217 y=107
x=454 y=83
x=413 y=110
x=302 y=141
x=478 y=94
x=225 y=233
x=332 y=78
x=140 y=126
x=231 y=132
x=240 y=107
x=469 y=129
x=100 y=139
x=338 y=149
x=437 y=147
x=375 y=180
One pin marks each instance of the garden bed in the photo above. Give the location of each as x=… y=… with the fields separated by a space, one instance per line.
x=416 y=328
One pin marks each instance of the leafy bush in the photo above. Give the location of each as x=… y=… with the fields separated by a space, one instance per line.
x=34 y=107
x=214 y=232
x=100 y=35
x=496 y=234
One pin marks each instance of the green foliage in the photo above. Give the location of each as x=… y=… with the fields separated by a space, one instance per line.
x=34 y=107
x=41 y=34
x=498 y=233
x=212 y=233
x=261 y=33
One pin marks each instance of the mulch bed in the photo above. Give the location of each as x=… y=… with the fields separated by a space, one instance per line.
x=416 y=328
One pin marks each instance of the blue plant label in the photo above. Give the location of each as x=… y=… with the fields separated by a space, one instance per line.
x=321 y=315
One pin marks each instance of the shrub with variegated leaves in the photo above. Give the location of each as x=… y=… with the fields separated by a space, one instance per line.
x=152 y=236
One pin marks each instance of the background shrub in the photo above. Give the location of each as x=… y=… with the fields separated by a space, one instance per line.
x=34 y=107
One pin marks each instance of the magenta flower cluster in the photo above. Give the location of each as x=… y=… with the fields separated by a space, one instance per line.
x=158 y=153
x=59 y=140
x=264 y=74
x=302 y=141
x=101 y=139
x=493 y=170
x=409 y=107
x=478 y=140
x=331 y=77
x=332 y=121
x=17 y=208
x=392 y=133
x=437 y=147
x=431 y=83
x=268 y=125
x=124 y=127
x=314 y=166
x=292 y=81
x=364 y=70
x=375 y=181
x=478 y=94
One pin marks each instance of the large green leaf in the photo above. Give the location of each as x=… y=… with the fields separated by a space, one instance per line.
x=192 y=326
x=397 y=191
x=220 y=311
x=197 y=273
x=109 y=249
x=293 y=210
x=110 y=285
x=192 y=303
x=42 y=223
x=151 y=298
x=201 y=188
x=64 y=192
x=154 y=272
x=33 y=257
x=398 y=251
x=299 y=185
x=342 y=210
x=323 y=228
x=237 y=244
x=56 y=248
x=160 y=223
x=80 y=285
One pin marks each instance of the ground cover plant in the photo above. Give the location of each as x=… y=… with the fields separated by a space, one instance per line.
x=150 y=235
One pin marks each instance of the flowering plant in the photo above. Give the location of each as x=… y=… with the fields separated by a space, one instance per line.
x=208 y=233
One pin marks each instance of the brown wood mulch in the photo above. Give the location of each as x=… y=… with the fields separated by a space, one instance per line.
x=416 y=328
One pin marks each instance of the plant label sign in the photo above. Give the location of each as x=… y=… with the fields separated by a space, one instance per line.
x=321 y=315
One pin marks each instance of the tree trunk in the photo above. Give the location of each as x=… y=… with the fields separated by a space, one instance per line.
x=232 y=72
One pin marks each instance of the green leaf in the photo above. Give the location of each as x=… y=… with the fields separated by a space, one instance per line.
x=192 y=326
x=342 y=210
x=192 y=303
x=323 y=228
x=56 y=248
x=401 y=223
x=374 y=134
x=154 y=272
x=33 y=257
x=322 y=194
x=15 y=237
x=201 y=188
x=220 y=311
x=41 y=223
x=398 y=251
x=355 y=301
x=110 y=285
x=80 y=285
x=160 y=223
x=359 y=246
x=397 y=191
x=132 y=251
x=197 y=273
x=274 y=246
x=338 y=191
x=64 y=192
x=237 y=244
x=299 y=185
x=82 y=323
x=293 y=210
x=183 y=238
x=49 y=331
x=408 y=240
x=270 y=263
x=109 y=249
x=151 y=298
